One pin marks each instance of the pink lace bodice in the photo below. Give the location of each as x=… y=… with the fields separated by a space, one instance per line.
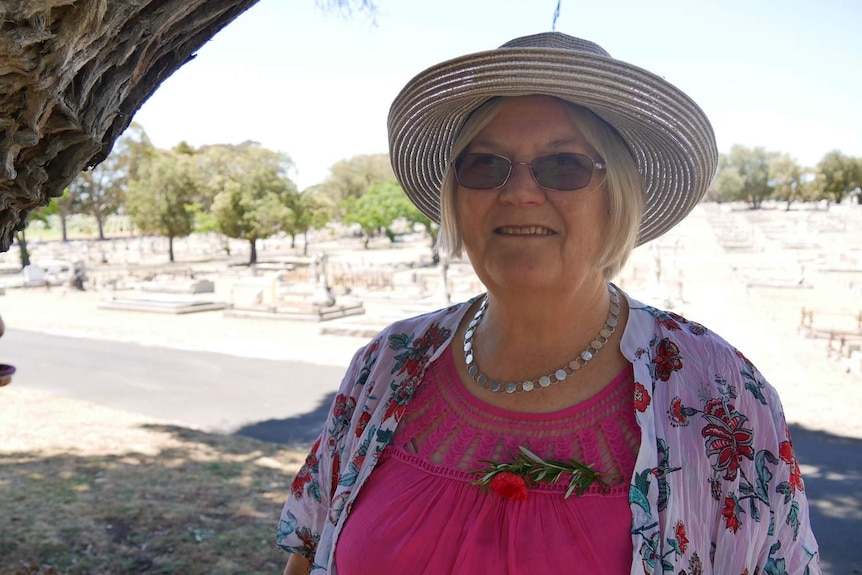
x=418 y=512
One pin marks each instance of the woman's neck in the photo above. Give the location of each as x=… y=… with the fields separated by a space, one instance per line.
x=527 y=335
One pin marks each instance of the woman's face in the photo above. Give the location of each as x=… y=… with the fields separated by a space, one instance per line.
x=523 y=236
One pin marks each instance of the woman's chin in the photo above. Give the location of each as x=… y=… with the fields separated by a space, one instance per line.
x=526 y=279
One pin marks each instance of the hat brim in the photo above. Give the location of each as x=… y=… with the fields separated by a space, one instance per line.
x=667 y=133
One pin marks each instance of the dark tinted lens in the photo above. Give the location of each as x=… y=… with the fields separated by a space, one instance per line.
x=482 y=171
x=563 y=171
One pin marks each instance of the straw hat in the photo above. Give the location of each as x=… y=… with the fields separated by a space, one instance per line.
x=669 y=136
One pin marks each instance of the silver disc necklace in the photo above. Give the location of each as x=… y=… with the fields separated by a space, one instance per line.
x=546 y=380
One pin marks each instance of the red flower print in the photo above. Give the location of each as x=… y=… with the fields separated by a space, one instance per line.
x=696 y=328
x=744 y=359
x=336 y=474
x=415 y=350
x=681 y=539
x=726 y=437
x=509 y=485
x=362 y=423
x=695 y=566
x=371 y=349
x=715 y=488
x=716 y=408
x=309 y=539
x=729 y=512
x=642 y=398
x=398 y=402
x=785 y=452
x=667 y=359
x=344 y=406
x=305 y=475
x=677 y=317
x=303 y=478
x=669 y=324
x=678 y=413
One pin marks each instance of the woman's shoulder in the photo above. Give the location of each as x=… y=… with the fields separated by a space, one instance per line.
x=424 y=331
x=447 y=317
x=693 y=356
x=652 y=322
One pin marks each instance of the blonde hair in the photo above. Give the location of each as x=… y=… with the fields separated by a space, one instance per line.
x=623 y=184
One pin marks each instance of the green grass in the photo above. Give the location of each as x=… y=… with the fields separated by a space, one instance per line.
x=209 y=507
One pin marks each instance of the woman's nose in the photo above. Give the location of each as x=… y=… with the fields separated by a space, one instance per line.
x=521 y=188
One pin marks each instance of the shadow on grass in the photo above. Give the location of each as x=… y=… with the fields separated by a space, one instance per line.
x=298 y=432
x=832 y=471
x=197 y=504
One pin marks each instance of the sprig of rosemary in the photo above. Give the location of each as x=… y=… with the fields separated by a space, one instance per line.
x=533 y=469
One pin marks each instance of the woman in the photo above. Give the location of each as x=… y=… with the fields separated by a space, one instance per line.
x=554 y=424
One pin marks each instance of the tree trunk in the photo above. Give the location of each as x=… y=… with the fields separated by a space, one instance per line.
x=252 y=256
x=64 y=226
x=101 y=225
x=171 y=248
x=305 y=243
x=21 y=238
x=72 y=76
x=292 y=241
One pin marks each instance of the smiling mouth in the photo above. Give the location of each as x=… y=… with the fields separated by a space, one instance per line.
x=524 y=231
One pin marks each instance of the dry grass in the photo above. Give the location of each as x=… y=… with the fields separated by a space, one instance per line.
x=111 y=492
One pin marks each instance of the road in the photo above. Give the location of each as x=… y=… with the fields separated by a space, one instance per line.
x=211 y=391
x=286 y=402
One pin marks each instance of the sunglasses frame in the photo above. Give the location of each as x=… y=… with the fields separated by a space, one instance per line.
x=597 y=165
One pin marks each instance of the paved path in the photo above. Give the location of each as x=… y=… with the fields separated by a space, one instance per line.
x=210 y=391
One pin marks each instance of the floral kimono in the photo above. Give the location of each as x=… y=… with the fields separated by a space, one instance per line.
x=716 y=487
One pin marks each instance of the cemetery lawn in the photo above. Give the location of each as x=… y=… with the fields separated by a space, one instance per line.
x=120 y=495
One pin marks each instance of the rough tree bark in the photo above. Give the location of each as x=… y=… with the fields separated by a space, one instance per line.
x=72 y=75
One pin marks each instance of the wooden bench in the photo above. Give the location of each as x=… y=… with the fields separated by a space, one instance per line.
x=840 y=329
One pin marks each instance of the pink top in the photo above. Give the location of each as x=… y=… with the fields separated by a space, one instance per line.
x=418 y=513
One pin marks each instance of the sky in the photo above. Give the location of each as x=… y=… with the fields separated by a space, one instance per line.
x=782 y=74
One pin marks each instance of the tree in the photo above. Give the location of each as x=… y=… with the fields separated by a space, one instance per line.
x=744 y=175
x=99 y=192
x=378 y=208
x=131 y=150
x=218 y=163
x=64 y=207
x=789 y=179
x=39 y=215
x=21 y=240
x=351 y=178
x=414 y=216
x=159 y=200
x=255 y=197
x=305 y=212
x=727 y=184
x=838 y=175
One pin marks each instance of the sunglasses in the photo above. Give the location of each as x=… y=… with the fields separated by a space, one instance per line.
x=562 y=172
